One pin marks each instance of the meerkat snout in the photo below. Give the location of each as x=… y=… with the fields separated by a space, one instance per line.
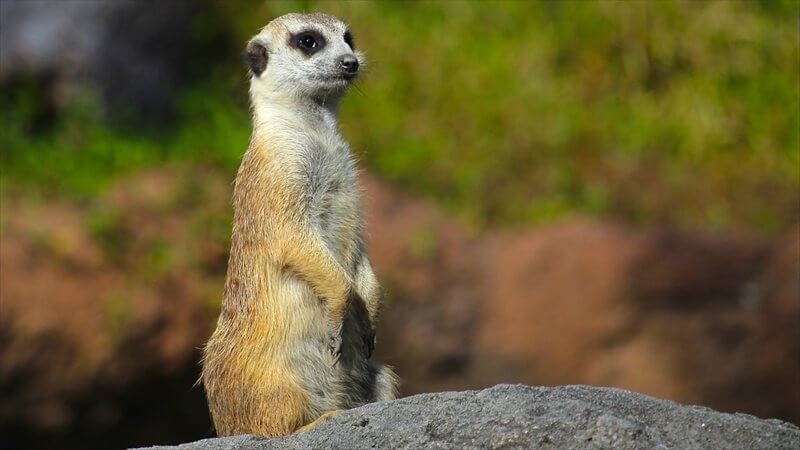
x=349 y=64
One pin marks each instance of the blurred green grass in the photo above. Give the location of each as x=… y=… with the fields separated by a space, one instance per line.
x=506 y=112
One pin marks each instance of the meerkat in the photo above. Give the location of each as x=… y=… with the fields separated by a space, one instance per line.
x=296 y=330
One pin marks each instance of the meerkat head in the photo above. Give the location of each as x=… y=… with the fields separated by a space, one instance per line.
x=305 y=55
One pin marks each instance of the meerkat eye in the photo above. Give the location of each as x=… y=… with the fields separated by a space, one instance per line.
x=308 y=42
x=348 y=39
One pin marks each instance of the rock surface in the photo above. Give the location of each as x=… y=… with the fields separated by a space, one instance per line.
x=518 y=416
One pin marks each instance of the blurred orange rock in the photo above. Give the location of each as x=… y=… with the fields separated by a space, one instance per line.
x=105 y=305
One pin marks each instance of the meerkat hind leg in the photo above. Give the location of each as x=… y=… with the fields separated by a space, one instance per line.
x=321 y=419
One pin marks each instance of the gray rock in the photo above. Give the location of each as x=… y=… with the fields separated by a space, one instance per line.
x=517 y=416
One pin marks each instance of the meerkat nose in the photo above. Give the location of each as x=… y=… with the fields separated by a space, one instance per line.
x=349 y=64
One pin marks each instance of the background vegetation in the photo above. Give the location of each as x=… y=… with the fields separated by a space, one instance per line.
x=508 y=112
x=123 y=126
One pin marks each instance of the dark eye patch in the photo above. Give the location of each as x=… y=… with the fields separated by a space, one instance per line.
x=308 y=42
x=348 y=39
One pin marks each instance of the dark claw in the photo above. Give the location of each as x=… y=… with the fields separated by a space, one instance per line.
x=369 y=341
x=335 y=343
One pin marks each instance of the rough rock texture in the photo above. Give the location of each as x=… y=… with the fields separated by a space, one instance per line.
x=518 y=416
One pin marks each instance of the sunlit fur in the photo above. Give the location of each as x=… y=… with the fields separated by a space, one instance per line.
x=297 y=254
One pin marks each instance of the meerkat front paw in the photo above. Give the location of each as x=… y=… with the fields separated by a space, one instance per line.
x=335 y=340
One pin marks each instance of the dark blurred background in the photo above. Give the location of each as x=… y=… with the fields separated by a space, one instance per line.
x=557 y=192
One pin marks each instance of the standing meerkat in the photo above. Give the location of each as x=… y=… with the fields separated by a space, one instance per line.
x=296 y=330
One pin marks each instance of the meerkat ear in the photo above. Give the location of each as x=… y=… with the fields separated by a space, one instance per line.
x=256 y=55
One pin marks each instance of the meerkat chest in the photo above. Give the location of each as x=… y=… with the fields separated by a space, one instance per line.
x=333 y=195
